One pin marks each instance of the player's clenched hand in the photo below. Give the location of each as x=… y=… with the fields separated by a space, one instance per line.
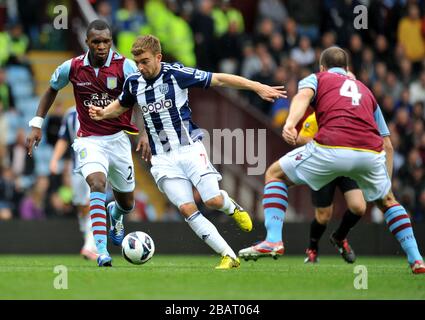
x=53 y=166
x=96 y=113
x=271 y=93
x=33 y=139
x=289 y=134
x=143 y=144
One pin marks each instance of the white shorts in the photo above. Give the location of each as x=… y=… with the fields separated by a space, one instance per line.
x=80 y=190
x=190 y=163
x=317 y=165
x=108 y=154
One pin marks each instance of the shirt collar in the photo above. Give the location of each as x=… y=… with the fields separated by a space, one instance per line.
x=338 y=70
x=107 y=63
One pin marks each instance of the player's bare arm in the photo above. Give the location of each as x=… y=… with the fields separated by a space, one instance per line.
x=388 y=147
x=113 y=110
x=298 y=107
x=143 y=145
x=302 y=140
x=266 y=92
x=35 y=136
x=60 y=148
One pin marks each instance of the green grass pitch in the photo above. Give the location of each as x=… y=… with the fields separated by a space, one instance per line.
x=194 y=278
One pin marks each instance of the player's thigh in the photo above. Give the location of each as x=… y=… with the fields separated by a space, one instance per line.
x=179 y=191
x=208 y=187
x=371 y=175
x=80 y=190
x=308 y=165
x=90 y=157
x=323 y=197
x=196 y=166
x=121 y=167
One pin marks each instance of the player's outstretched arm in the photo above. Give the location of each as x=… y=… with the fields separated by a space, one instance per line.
x=266 y=92
x=36 y=123
x=113 y=110
x=298 y=107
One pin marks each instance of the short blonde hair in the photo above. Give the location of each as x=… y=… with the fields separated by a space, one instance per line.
x=146 y=43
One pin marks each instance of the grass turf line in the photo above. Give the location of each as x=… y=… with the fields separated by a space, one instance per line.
x=194 y=277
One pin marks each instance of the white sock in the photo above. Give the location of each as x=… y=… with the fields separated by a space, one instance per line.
x=228 y=205
x=84 y=223
x=89 y=243
x=205 y=230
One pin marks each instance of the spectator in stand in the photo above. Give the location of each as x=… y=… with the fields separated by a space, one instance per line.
x=272 y=9
x=417 y=89
x=32 y=206
x=223 y=14
x=7 y=193
x=230 y=53
x=6 y=97
x=392 y=86
x=304 y=54
x=409 y=35
x=356 y=49
x=291 y=34
x=202 y=25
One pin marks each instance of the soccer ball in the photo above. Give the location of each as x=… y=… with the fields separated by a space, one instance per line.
x=137 y=247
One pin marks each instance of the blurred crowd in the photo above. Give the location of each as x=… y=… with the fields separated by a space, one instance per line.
x=279 y=45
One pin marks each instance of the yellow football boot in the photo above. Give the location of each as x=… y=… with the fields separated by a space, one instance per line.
x=242 y=218
x=227 y=262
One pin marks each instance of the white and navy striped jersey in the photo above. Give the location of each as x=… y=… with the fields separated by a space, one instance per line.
x=165 y=104
x=69 y=128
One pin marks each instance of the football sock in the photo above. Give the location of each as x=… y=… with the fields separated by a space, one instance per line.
x=316 y=232
x=275 y=202
x=205 y=230
x=118 y=212
x=399 y=224
x=348 y=221
x=98 y=220
x=228 y=205
x=84 y=223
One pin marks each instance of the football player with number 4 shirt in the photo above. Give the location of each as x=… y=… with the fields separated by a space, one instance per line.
x=347 y=144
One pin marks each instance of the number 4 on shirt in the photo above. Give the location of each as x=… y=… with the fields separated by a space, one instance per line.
x=349 y=89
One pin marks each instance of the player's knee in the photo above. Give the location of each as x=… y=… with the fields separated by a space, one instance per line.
x=127 y=204
x=187 y=209
x=215 y=203
x=359 y=209
x=323 y=215
x=386 y=202
x=97 y=185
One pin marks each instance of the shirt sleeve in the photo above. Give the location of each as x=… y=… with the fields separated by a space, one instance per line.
x=190 y=77
x=129 y=67
x=380 y=121
x=127 y=98
x=309 y=82
x=60 y=78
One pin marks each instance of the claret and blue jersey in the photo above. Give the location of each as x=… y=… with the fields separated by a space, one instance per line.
x=165 y=104
x=344 y=105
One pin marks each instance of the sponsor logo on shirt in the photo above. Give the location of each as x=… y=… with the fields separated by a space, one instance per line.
x=83 y=84
x=98 y=100
x=157 y=106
